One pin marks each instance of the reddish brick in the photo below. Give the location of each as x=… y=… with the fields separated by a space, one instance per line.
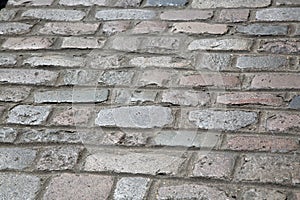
x=250 y=98
x=240 y=15
x=110 y=28
x=186 y=15
x=72 y=117
x=199 y=28
x=67 y=28
x=280 y=46
x=261 y=143
x=30 y=43
x=276 y=81
x=149 y=27
x=283 y=122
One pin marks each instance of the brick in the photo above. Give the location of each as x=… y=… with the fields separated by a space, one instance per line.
x=234 y=15
x=6 y=15
x=215 y=80
x=212 y=61
x=30 y=2
x=295 y=103
x=71 y=96
x=72 y=116
x=80 y=77
x=14 y=94
x=59 y=60
x=269 y=169
x=159 y=3
x=283 y=122
x=287 y=2
x=31 y=43
x=134 y=188
x=127 y=14
x=125 y=138
x=97 y=60
x=135 y=162
x=199 y=28
x=116 y=77
x=276 y=81
x=110 y=28
x=190 y=191
x=28 y=76
x=82 y=43
x=262 y=193
x=14 y=28
x=261 y=143
x=19 y=186
x=8 y=59
x=16 y=158
x=7 y=135
x=149 y=27
x=245 y=98
x=278 y=14
x=156 y=77
x=263 y=29
x=186 y=15
x=223 y=120
x=137 y=117
x=58 y=158
x=213 y=165
x=128 y=3
x=159 y=61
x=54 y=14
x=203 y=4
x=221 y=44
x=28 y=115
x=83 y=2
x=143 y=96
x=279 y=46
x=67 y=28
x=186 y=98
x=262 y=62
x=79 y=186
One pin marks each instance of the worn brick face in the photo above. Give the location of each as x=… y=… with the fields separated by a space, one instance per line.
x=276 y=81
x=32 y=43
x=67 y=28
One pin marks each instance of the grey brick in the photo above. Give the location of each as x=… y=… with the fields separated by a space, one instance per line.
x=116 y=77
x=54 y=14
x=203 y=4
x=199 y=28
x=212 y=61
x=295 y=103
x=159 y=61
x=186 y=15
x=127 y=3
x=72 y=116
x=19 y=186
x=224 y=120
x=263 y=29
x=262 y=62
x=68 y=28
x=157 y=77
x=112 y=27
x=83 y=2
x=16 y=158
x=28 y=43
x=133 y=188
x=14 y=94
x=73 y=96
x=278 y=14
x=262 y=193
x=280 y=46
x=186 y=98
x=288 y=2
x=80 y=77
x=28 y=76
x=98 y=60
x=126 y=96
x=7 y=135
x=166 y=3
x=127 y=14
x=82 y=43
x=14 y=28
x=28 y=115
x=59 y=60
x=30 y=2
x=7 y=59
x=6 y=14
x=135 y=117
x=124 y=138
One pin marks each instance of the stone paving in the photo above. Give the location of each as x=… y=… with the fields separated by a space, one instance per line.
x=150 y=99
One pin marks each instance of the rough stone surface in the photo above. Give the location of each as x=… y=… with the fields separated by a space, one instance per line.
x=199 y=28
x=203 y=4
x=8 y=135
x=6 y=15
x=166 y=3
x=30 y=2
x=83 y=2
x=278 y=14
x=187 y=98
x=131 y=188
x=149 y=27
x=295 y=103
x=234 y=15
x=283 y=122
x=82 y=43
x=16 y=158
x=156 y=77
x=258 y=193
x=7 y=59
x=276 y=81
x=54 y=14
x=116 y=77
x=212 y=61
x=113 y=27
x=262 y=62
x=125 y=138
x=280 y=46
x=287 y=2
x=54 y=61
x=14 y=28
x=262 y=29
x=31 y=43
x=128 y=14
x=186 y=15
x=74 y=116
x=14 y=94
x=67 y=28
x=161 y=61
x=80 y=77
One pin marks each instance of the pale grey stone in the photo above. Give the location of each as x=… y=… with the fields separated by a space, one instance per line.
x=16 y=158
x=133 y=188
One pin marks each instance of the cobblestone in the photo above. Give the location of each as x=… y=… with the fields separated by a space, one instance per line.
x=199 y=28
x=14 y=28
x=6 y=15
x=187 y=98
x=131 y=188
x=6 y=60
x=234 y=15
x=8 y=135
x=261 y=62
x=283 y=122
x=166 y=3
x=133 y=14
x=202 y=4
x=30 y=3
x=278 y=81
x=16 y=158
x=67 y=28
x=279 y=14
x=186 y=15
x=83 y=43
x=295 y=103
x=258 y=29
x=54 y=14
x=14 y=94
x=32 y=43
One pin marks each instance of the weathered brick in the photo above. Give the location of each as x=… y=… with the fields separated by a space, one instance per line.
x=30 y=2
x=58 y=158
x=244 y=98
x=283 y=122
x=135 y=162
x=110 y=28
x=8 y=135
x=6 y=15
x=54 y=14
x=262 y=193
x=19 y=186
x=80 y=77
x=149 y=27
x=295 y=103
x=156 y=77
x=276 y=81
x=223 y=120
x=166 y=3
x=2 y=109
x=16 y=158
x=127 y=3
x=82 y=43
x=199 y=28
x=213 y=165
x=116 y=77
x=59 y=60
x=297 y=30
x=161 y=61
x=39 y=77
x=14 y=94
x=97 y=60
x=7 y=59
x=29 y=115
x=215 y=80
x=125 y=138
x=31 y=43
x=269 y=169
x=137 y=117
x=278 y=14
x=187 y=98
x=134 y=188
x=14 y=28
x=72 y=116
x=73 y=96
x=186 y=15
x=287 y=2
x=125 y=96
x=262 y=62
x=73 y=186
x=279 y=46
x=66 y=28
x=263 y=29
x=221 y=44
x=203 y=4
x=240 y=15
x=212 y=61
x=83 y=2
x=261 y=143
x=127 y=14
